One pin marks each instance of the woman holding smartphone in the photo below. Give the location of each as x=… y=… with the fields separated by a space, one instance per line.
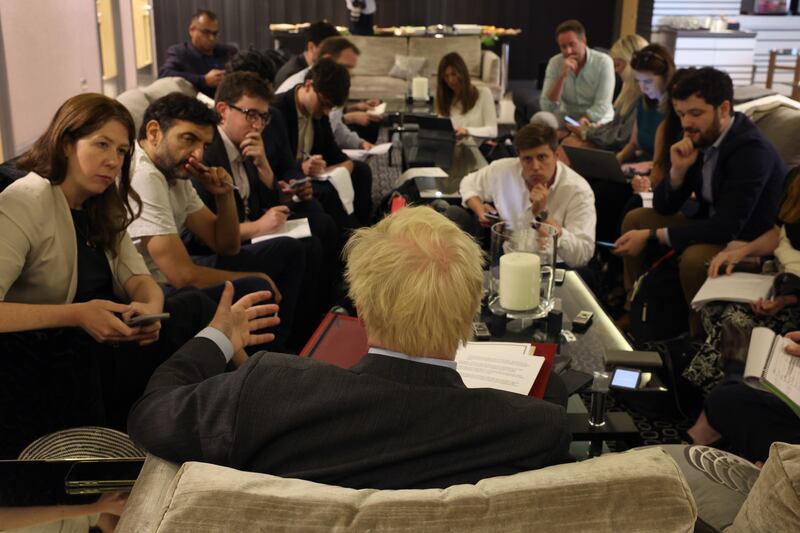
x=70 y=278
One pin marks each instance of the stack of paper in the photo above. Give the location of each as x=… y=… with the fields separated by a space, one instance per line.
x=740 y=287
x=507 y=366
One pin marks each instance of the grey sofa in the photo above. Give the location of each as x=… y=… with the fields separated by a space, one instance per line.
x=371 y=77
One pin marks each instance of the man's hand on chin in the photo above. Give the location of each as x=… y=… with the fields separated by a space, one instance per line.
x=239 y=321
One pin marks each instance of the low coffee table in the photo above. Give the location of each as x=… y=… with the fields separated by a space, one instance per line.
x=586 y=353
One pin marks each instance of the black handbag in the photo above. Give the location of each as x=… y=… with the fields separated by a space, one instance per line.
x=658 y=308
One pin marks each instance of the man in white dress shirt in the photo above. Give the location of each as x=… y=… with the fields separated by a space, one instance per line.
x=533 y=185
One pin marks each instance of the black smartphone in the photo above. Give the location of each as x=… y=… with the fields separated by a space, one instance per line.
x=492 y=216
x=560 y=275
x=146 y=320
x=298 y=183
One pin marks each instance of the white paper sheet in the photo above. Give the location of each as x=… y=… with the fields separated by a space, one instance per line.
x=498 y=365
x=379 y=109
x=296 y=229
x=357 y=154
x=340 y=179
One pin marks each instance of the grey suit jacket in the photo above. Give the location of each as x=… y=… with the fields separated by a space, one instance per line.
x=386 y=423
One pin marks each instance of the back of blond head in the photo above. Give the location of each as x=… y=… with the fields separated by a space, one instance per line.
x=416 y=280
x=623 y=49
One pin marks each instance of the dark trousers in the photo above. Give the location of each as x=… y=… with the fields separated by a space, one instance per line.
x=56 y=379
x=362 y=187
x=283 y=259
x=749 y=419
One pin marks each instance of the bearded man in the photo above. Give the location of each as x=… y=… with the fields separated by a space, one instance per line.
x=723 y=160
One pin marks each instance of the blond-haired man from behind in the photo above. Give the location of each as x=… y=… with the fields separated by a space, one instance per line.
x=401 y=418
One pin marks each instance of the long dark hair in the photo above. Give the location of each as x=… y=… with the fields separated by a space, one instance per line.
x=111 y=212
x=444 y=95
x=657 y=60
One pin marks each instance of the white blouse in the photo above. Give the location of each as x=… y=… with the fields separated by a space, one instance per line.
x=481 y=120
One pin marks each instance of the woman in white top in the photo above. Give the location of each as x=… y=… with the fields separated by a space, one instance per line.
x=470 y=109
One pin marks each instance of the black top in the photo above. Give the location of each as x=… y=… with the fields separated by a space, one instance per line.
x=277 y=148
x=94 y=274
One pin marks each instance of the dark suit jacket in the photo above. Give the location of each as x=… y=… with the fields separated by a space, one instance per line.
x=186 y=61
x=276 y=146
x=747 y=187
x=324 y=141
x=386 y=423
x=292 y=66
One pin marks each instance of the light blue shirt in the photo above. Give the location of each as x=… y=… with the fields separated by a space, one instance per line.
x=589 y=93
x=427 y=360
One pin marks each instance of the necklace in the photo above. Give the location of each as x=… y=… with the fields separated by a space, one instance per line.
x=77 y=222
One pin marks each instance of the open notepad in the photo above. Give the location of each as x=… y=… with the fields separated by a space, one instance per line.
x=770 y=368
x=739 y=287
x=507 y=366
x=297 y=229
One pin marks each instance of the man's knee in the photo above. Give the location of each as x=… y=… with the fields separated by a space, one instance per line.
x=637 y=219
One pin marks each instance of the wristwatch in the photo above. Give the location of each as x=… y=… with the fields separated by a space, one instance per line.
x=653 y=234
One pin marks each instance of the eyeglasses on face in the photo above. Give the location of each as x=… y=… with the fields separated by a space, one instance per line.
x=253 y=115
x=208 y=33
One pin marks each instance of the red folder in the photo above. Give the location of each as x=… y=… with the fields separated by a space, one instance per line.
x=342 y=341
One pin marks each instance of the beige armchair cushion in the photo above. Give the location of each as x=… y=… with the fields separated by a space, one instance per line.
x=641 y=490
x=377 y=53
x=774 y=501
x=468 y=46
x=137 y=100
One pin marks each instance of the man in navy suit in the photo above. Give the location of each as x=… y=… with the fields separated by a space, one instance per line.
x=401 y=418
x=733 y=171
x=201 y=61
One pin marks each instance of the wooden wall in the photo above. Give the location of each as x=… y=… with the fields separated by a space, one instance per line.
x=245 y=22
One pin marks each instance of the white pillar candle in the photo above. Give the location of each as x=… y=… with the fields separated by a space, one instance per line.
x=419 y=88
x=520 y=279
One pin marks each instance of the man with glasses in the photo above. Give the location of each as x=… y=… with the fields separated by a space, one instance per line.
x=201 y=61
x=311 y=139
x=264 y=202
x=535 y=185
x=174 y=133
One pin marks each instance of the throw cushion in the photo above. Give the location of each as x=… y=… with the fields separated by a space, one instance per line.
x=720 y=481
x=780 y=125
x=774 y=501
x=407 y=67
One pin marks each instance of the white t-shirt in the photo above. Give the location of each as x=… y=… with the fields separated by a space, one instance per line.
x=164 y=208
x=481 y=120
x=570 y=202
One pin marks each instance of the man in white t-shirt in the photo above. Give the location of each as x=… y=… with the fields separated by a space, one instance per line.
x=169 y=151
x=534 y=185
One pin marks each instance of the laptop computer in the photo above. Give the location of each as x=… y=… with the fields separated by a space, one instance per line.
x=592 y=163
x=433 y=128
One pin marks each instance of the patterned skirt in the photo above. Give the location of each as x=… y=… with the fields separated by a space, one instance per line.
x=728 y=326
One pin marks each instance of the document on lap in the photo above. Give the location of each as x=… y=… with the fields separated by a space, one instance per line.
x=741 y=287
x=296 y=229
x=340 y=179
x=507 y=366
x=771 y=369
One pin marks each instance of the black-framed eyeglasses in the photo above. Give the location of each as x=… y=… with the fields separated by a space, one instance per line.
x=253 y=115
x=208 y=33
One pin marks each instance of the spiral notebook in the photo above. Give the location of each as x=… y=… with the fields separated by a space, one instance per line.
x=771 y=369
